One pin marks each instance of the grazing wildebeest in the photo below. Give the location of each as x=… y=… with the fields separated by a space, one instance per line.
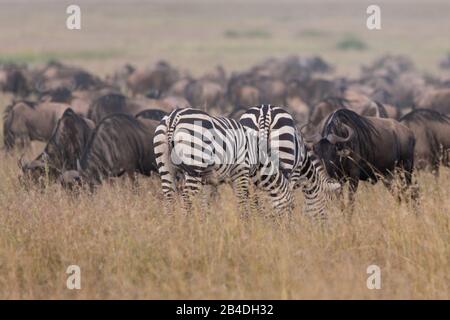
x=157 y=79
x=331 y=104
x=205 y=94
x=434 y=99
x=119 y=145
x=117 y=103
x=57 y=75
x=28 y=121
x=63 y=149
x=432 y=132
x=151 y=114
x=312 y=91
x=355 y=147
x=110 y=104
x=80 y=104
x=13 y=79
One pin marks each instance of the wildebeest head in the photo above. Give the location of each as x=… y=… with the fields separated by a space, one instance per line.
x=344 y=137
x=63 y=149
x=334 y=146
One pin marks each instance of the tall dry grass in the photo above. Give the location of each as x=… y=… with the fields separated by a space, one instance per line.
x=127 y=248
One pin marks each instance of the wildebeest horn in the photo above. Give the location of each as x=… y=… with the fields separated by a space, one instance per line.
x=335 y=138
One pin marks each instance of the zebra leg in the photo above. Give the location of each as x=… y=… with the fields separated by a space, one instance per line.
x=240 y=185
x=191 y=188
x=165 y=167
x=255 y=203
x=277 y=186
x=209 y=193
x=315 y=185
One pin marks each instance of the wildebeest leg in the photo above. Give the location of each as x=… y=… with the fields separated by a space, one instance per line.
x=191 y=188
x=388 y=182
x=435 y=162
x=410 y=186
x=352 y=187
x=340 y=196
x=134 y=181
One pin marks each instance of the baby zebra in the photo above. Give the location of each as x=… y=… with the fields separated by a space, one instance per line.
x=283 y=144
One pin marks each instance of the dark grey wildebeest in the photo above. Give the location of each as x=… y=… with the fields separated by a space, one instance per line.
x=355 y=148
x=26 y=121
x=63 y=149
x=120 y=144
x=432 y=132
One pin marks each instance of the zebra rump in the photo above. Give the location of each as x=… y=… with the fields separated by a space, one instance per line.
x=278 y=135
x=205 y=150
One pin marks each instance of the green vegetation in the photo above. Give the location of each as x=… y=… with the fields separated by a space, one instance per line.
x=43 y=56
x=249 y=34
x=351 y=42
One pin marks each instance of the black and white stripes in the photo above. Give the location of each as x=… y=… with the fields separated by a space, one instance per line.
x=204 y=149
x=282 y=143
x=263 y=149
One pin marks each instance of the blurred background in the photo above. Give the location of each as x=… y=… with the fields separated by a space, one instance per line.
x=197 y=35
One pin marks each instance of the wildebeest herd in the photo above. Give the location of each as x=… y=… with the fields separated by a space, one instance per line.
x=280 y=125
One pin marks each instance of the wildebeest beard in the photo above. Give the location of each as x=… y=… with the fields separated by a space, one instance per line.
x=357 y=151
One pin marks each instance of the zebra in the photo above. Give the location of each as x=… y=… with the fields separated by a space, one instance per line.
x=284 y=145
x=205 y=150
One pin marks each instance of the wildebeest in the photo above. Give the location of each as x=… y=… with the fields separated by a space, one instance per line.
x=79 y=101
x=157 y=79
x=432 y=132
x=63 y=149
x=27 y=121
x=110 y=104
x=117 y=103
x=13 y=79
x=355 y=147
x=120 y=144
x=151 y=114
x=331 y=104
x=312 y=90
x=56 y=75
x=205 y=94
x=434 y=99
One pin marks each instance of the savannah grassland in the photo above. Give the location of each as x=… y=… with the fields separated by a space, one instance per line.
x=124 y=244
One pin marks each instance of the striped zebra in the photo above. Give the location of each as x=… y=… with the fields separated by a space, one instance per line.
x=282 y=143
x=205 y=150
